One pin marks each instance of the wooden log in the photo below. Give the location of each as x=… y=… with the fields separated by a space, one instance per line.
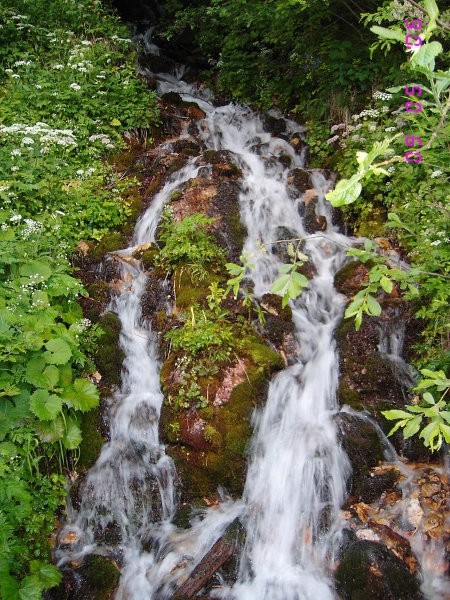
x=210 y=563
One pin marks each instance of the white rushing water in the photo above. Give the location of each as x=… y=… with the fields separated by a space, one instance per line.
x=297 y=470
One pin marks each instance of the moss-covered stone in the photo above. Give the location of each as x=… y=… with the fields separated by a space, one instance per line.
x=101 y=577
x=109 y=356
x=92 y=441
x=369 y=571
x=109 y=243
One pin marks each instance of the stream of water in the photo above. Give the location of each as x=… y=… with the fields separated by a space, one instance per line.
x=297 y=470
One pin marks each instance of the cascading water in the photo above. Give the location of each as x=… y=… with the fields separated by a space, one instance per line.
x=297 y=469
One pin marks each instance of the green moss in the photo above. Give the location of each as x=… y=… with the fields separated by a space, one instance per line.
x=110 y=356
x=92 y=442
x=148 y=258
x=109 y=243
x=262 y=356
x=348 y=396
x=373 y=224
x=102 y=575
x=212 y=436
x=237 y=230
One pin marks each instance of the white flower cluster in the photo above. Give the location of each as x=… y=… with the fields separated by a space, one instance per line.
x=381 y=96
x=75 y=86
x=103 y=138
x=333 y=139
x=369 y=112
x=61 y=137
x=85 y=173
x=21 y=63
x=436 y=173
x=31 y=227
x=387 y=129
x=337 y=127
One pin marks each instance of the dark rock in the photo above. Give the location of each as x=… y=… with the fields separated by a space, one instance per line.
x=362 y=444
x=369 y=571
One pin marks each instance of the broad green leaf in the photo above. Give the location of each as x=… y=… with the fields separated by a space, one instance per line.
x=300 y=279
x=445 y=431
x=34 y=372
x=31 y=588
x=445 y=414
x=373 y=306
x=72 y=436
x=428 y=398
x=36 y=267
x=388 y=34
x=412 y=427
x=8 y=449
x=48 y=574
x=426 y=54
x=396 y=414
x=234 y=269
x=386 y=284
x=429 y=433
x=50 y=431
x=83 y=395
x=9 y=587
x=44 y=405
x=345 y=192
x=59 y=351
x=279 y=285
x=358 y=321
x=431 y=8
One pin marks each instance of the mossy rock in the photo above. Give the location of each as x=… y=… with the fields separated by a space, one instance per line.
x=94 y=305
x=266 y=359
x=109 y=356
x=92 y=441
x=101 y=578
x=109 y=243
x=369 y=571
x=374 y=224
x=189 y=291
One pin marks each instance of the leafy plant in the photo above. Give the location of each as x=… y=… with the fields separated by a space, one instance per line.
x=187 y=243
x=434 y=412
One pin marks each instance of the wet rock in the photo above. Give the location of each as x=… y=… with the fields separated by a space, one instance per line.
x=362 y=445
x=109 y=356
x=367 y=570
x=299 y=180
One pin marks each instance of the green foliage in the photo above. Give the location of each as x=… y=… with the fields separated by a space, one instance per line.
x=289 y=284
x=29 y=501
x=67 y=94
x=204 y=341
x=187 y=243
x=381 y=277
x=436 y=413
x=271 y=52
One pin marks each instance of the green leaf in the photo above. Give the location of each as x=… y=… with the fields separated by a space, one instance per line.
x=83 y=395
x=72 y=436
x=44 y=405
x=51 y=431
x=412 y=427
x=429 y=433
x=36 y=267
x=31 y=588
x=388 y=34
x=426 y=54
x=345 y=192
x=280 y=284
x=59 y=351
x=396 y=414
x=386 y=284
x=428 y=398
x=47 y=573
x=445 y=432
x=34 y=372
x=431 y=8
x=373 y=306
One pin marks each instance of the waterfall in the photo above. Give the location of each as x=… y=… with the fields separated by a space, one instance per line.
x=297 y=470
